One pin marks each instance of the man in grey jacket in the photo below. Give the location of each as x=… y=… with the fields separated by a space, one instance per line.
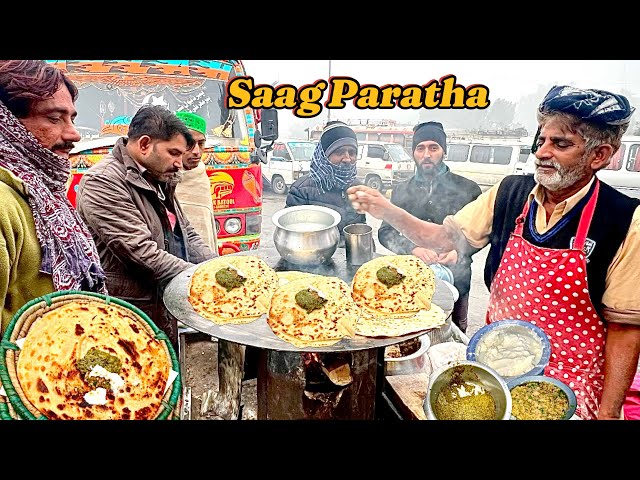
x=128 y=202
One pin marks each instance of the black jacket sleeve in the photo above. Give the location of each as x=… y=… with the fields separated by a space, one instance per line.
x=391 y=238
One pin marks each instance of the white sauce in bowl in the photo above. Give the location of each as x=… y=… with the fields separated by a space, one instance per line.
x=508 y=352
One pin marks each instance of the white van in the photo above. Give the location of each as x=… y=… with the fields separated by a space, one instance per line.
x=622 y=173
x=486 y=161
x=381 y=164
x=288 y=160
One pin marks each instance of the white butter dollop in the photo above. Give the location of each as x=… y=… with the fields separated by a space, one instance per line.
x=96 y=397
x=117 y=382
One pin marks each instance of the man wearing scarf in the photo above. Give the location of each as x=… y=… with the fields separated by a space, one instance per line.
x=430 y=195
x=332 y=171
x=564 y=246
x=44 y=245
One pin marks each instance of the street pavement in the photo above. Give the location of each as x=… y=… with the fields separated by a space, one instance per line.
x=478 y=295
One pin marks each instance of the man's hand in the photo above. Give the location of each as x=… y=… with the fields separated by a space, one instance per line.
x=448 y=258
x=368 y=200
x=426 y=255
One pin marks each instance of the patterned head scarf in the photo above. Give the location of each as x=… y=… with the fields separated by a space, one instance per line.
x=328 y=176
x=69 y=253
x=595 y=106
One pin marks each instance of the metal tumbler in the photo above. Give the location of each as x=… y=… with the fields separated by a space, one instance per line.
x=358 y=243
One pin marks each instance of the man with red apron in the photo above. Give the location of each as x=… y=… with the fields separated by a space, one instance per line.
x=548 y=287
x=565 y=247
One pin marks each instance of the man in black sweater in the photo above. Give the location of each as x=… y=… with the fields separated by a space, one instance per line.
x=431 y=194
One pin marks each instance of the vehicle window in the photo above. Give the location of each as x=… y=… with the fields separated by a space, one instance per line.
x=279 y=153
x=524 y=154
x=302 y=151
x=480 y=154
x=398 y=154
x=616 y=160
x=376 y=151
x=502 y=155
x=457 y=153
x=633 y=164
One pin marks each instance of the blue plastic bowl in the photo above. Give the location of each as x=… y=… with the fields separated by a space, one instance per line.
x=442 y=272
x=516 y=326
x=571 y=396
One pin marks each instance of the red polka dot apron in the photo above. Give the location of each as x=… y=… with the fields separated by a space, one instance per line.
x=548 y=287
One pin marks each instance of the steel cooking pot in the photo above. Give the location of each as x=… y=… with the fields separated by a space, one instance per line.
x=306 y=234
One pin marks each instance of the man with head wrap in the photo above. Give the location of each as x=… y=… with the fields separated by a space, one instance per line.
x=332 y=171
x=44 y=244
x=565 y=247
x=431 y=194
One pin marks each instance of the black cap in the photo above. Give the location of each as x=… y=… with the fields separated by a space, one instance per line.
x=433 y=131
x=335 y=135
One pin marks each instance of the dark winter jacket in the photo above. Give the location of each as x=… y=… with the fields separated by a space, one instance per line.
x=447 y=194
x=129 y=223
x=305 y=192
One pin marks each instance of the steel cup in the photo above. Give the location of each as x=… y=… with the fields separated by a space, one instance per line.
x=358 y=243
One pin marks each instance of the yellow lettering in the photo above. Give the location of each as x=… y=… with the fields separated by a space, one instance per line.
x=342 y=88
x=431 y=94
x=389 y=94
x=411 y=97
x=367 y=97
x=285 y=97
x=449 y=89
x=237 y=94
x=262 y=97
x=310 y=96
x=478 y=97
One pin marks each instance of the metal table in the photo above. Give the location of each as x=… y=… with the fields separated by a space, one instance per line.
x=281 y=363
x=258 y=333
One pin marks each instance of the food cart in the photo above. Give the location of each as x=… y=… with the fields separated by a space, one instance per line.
x=289 y=382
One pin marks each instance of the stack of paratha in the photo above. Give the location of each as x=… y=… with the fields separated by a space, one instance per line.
x=313 y=311
x=394 y=293
x=91 y=360
x=232 y=289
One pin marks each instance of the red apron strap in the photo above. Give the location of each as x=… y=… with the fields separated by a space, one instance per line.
x=585 y=219
x=521 y=218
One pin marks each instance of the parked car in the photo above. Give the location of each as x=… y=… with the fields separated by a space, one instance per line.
x=381 y=164
x=288 y=160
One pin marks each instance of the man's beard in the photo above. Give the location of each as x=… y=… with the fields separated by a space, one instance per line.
x=562 y=177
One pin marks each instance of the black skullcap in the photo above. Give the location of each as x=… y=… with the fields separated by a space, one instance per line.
x=337 y=134
x=433 y=131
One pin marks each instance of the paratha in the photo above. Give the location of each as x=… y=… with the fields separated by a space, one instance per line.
x=58 y=376
x=394 y=293
x=289 y=276
x=396 y=326
x=333 y=320
x=412 y=293
x=244 y=295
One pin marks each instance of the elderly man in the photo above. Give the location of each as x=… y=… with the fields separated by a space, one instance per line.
x=565 y=247
x=44 y=245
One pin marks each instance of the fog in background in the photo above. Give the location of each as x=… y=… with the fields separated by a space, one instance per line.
x=516 y=87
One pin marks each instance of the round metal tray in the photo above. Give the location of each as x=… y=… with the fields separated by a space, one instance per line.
x=258 y=333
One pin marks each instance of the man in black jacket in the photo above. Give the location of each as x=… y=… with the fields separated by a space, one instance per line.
x=333 y=170
x=431 y=194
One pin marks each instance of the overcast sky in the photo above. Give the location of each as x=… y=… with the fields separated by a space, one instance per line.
x=506 y=79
